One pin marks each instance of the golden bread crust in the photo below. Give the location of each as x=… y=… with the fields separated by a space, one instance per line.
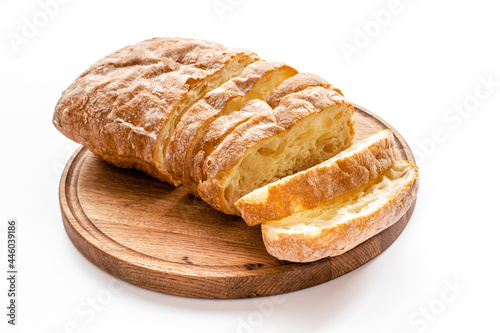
x=295 y=84
x=118 y=107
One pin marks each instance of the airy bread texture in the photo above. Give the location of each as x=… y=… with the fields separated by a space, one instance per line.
x=338 y=226
x=307 y=128
x=342 y=174
x=215 y=135
x=255 y=82
x=125 y=107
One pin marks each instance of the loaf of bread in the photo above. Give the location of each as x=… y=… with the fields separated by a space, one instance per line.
x=246 y=135
x=335 y=227
x=342 y=174
x=125 y=107
x=306 y=128
x=255 y=82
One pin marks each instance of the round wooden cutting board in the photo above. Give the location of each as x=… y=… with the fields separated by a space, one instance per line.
x=161 y=238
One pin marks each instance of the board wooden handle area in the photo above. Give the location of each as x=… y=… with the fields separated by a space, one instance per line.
x=159 y=237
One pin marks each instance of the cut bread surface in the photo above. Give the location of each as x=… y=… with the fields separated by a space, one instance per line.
x=216 y=133
x=344 y=173
x=338 y=226
x=307 y=128
x=255 y=82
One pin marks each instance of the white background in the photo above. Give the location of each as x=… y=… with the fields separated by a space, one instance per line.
x=429 y=57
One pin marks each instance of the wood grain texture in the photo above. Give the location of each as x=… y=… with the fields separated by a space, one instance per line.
x=159 y=237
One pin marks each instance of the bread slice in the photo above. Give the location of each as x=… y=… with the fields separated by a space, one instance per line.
x=125 y=106
x=338 y=226
x=214 y=136
x=295 y=84
x=342 y=174
x=307 y=128
x=255 y=82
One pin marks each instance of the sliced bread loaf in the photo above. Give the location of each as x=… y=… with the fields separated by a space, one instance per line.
x=255 y=82
x=338 y=226
x=213 y=135
x=307 y=128
x=342 y=174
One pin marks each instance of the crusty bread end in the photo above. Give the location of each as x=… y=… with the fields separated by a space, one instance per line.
x=336 y=227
